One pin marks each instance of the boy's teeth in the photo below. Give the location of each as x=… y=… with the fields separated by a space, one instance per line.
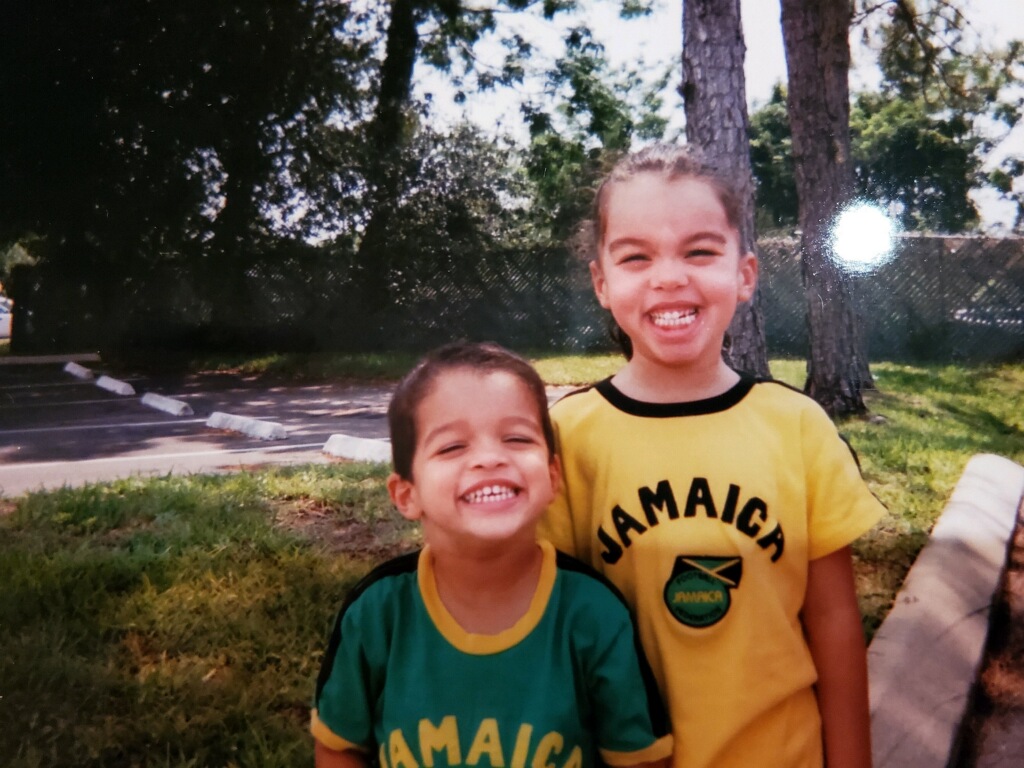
x=674 y=319
x=490 y=493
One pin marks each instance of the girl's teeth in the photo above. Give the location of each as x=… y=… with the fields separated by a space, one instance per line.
x=673 y=319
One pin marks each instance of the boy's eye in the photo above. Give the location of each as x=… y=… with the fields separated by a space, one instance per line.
x=450 y=448
x=523 y=439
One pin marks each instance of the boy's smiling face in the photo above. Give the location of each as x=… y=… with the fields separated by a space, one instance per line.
x=481 y=473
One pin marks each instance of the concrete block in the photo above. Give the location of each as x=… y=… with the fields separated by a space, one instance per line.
x=116 y=386
x=925 y=658
x=167 y=404
x=78 y=371
x=358 y=448
x=263 y=430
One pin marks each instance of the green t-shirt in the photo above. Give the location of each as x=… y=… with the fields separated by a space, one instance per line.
x=566 y=687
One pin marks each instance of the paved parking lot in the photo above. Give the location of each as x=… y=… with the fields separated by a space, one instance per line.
x=56 y=429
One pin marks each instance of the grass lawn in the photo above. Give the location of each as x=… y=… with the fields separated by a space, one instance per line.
x=179 y=621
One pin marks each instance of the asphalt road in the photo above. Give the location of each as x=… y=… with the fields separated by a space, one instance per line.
x=58 y=430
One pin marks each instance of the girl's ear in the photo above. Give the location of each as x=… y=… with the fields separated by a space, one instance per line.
x=748 y=277
x=403 y=496
x=555 y=470
x=599 y=282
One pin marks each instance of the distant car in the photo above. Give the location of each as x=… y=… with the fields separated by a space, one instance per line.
x=5 y=318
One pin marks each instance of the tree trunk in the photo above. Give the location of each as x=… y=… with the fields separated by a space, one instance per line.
x=387 y=136
x=714 y=92
x=231 y=252
x=816 y=38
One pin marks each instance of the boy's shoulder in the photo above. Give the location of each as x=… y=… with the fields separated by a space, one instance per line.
x=397 y=573
x=587 y=583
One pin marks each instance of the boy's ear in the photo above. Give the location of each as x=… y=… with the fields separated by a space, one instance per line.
x=748 y=277
x=599 y=283
x=402 y=493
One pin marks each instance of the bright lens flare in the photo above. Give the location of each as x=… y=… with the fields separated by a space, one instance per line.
x=863 y=238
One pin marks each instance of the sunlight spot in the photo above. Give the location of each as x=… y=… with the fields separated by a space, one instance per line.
x=863 y=237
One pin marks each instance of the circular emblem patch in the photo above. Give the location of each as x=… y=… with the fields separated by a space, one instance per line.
x=698 y=592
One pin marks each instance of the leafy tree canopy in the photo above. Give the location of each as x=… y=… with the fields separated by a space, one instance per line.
x=945 y=84
x=919 y=142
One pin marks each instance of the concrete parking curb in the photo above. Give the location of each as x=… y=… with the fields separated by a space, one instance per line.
x=116 y=386
x=358 y=448
x=924 y=660
x=167 y=404
x=263 y=430
x=78 y=371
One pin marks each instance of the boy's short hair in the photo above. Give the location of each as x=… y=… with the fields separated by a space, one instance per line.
x=482 y=357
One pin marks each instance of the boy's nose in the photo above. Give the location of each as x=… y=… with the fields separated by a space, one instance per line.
x=489 y=454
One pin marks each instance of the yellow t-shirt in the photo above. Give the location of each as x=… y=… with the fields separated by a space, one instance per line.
x=705 y=515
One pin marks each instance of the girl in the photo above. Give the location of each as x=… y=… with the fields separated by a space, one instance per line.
x=722 y=506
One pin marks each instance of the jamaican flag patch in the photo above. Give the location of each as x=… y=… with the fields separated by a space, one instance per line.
x=698 y=592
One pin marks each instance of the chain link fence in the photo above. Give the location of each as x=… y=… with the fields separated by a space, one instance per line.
x=938 y=298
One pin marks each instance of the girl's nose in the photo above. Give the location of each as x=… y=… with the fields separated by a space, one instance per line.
x=669 y=273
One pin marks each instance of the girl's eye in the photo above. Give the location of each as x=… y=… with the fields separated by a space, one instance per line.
x=633 y=260
x=702 y=253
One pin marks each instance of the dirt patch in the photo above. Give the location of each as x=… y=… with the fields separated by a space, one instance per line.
x=327 y=526
x=994 y=733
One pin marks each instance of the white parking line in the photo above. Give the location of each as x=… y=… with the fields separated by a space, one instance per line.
x=159 y=456
x=67 y=402
x=49 y=384
x=34 y=430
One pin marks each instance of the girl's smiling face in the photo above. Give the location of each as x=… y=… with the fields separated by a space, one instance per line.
x=671 y=271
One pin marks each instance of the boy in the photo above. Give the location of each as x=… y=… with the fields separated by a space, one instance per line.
x=487 y=647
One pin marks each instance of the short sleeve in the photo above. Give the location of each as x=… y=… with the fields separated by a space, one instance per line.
x=342 y=716
x=556 y=525
x=841 y=507
x=631 y=722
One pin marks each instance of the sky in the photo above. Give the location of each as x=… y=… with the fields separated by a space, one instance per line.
x=995 y=21
x=652 y=42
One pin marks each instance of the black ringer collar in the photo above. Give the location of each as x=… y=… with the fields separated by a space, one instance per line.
x=715 y=404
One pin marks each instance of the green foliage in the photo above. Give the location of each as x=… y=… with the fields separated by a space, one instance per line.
x=942 y=88
x=919 y=142
x=771 y=160
x=596 y=114
x=921 y=163
x=145 y=144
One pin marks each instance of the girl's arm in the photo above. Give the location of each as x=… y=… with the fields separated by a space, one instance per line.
x=332 y=758
x=832 y=624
